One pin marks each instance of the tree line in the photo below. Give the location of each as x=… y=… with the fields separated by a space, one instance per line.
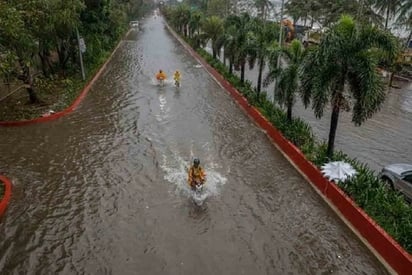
x=38 y=37
x=341 y=73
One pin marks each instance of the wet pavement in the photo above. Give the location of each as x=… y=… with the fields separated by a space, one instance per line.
x=103 y=190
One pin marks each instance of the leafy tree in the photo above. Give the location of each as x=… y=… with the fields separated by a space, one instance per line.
x=388 y=8
x=261 y=39
x=405 y=17
x=15 y=37
x=263 y=7
x=240 y=26
x=228 y=42
x=213 y=28
x=342 y=71
x=287 y=75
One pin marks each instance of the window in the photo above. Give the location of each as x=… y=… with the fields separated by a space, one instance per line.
x=408 y=178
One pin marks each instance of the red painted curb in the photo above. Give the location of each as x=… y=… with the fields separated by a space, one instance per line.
x=380 y=243
x=7 y=194
x=73 y=106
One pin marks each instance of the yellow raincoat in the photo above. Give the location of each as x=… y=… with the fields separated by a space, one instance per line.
x=196 y=173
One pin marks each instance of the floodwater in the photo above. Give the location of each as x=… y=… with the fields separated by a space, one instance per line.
x=103 y=190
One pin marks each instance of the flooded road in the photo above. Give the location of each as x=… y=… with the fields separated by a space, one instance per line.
x=103 y=190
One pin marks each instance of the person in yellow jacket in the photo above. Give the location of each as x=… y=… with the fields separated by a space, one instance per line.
x=176 y=78
x=196 y=174
x=161 y=76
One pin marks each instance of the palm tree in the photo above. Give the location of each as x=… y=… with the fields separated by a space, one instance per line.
x=342 y=71
x=241 y=27
x=287 y=76
x=181 y=18
x=213 y=28
x=405 y=17
x=228 y=42
x=297 y=9
x=263 y=6
x=195 y=23
x=261 y=39
x=389 y=8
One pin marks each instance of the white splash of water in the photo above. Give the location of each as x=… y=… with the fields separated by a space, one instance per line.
x=176 y=168
x=166 y=82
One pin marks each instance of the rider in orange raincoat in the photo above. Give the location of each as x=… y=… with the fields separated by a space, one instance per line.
x=160 y=75
x=196 y=174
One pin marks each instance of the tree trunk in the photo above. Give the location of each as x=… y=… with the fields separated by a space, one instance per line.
x=214 y=52
x=409 y=39
x=259 y=80
x=44 y=65
x=242 y=72
x=230 y=66
x=28 y=80
x=332 y=130
x=224 y=57
x=32 y=95
x=387 y=18
x=391 y=78
x=289 y=111
x=62 y=52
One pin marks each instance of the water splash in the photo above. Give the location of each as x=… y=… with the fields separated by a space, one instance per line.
x=166 y=82
x=176 y=168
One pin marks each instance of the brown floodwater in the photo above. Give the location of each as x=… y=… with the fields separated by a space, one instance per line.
x=103 y=190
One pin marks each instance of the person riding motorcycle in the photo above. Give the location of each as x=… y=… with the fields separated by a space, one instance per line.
x=176 y=78
x=196 y=174
x=160 y=75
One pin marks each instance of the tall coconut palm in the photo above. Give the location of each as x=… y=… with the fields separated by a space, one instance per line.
x=228 y=42
x=241 y=24
x=195 y=22
x=287 y=84
x=213 y=28
x=182 y=18
x=342 y=71
x=260 y=41
x=389 y=8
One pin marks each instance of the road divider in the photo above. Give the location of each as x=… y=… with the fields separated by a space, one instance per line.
x=4 y=201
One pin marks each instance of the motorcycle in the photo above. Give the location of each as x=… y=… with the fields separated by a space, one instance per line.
x=197 y=187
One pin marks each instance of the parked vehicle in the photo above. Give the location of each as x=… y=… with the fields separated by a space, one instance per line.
x=399 y=177
x=134 y=24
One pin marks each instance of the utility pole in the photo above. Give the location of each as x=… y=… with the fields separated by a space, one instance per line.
x=280 y=45
x=82 y=48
